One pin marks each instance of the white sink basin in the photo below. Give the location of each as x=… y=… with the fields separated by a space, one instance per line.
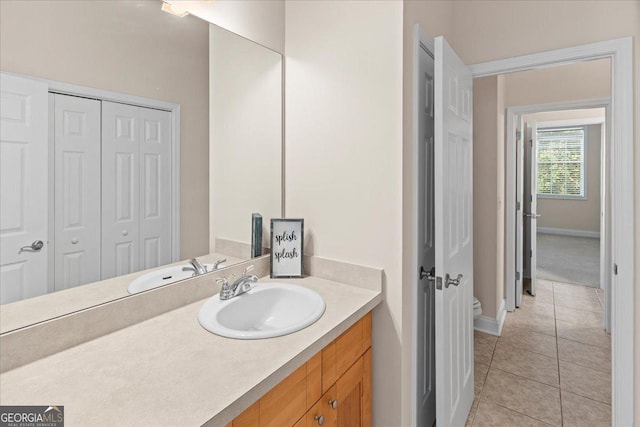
x=164 y=276
x=267 y=310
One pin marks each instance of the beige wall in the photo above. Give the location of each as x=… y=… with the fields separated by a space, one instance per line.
x=583 y=80
x=131 y=48
x=344 y=157
x=488 y=237
x=572 y=214
x=490 y=30
x=261 y=21
x=246 y=136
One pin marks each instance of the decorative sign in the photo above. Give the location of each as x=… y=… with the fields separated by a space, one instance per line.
x=286 y=247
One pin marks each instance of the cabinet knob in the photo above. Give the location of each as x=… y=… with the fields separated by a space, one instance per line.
x=74 y=240
x=333 y=403
x=319 y=419
x=125 y=232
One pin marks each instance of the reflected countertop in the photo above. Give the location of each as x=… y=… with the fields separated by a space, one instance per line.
x=44 y=307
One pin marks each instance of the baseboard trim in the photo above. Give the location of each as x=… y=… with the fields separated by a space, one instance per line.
x=568 y=232
x=489 y=325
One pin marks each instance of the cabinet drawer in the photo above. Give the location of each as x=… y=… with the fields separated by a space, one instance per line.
x=287 y=402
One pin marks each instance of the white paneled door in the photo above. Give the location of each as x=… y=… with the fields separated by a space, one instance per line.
x=453 y=164
x=520 y=135
x=531 y=209
x=155 y=188
x=23 y=188
x=136 y=222
x=77 y=190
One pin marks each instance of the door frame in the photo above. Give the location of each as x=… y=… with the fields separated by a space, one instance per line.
x=621 y=166
x=510 y=176
x=138 y=101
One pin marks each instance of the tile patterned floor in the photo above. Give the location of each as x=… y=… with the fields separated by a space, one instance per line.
x=551 y=366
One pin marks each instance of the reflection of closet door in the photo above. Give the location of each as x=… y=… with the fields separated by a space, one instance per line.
x=23 y=188
x=120 y=189
x=77 y=191
x=155 y=188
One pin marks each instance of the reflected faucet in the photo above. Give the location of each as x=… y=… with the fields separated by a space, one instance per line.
x=197 y=266
x=216 y=265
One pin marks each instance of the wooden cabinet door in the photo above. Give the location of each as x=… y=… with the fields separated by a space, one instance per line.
x=324 y=408
x=349 y=390
x=285 y=403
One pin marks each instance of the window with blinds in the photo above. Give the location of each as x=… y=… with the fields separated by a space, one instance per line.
x=561 y=162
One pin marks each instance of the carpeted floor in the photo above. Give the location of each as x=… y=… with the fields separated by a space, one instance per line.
x=569 y=259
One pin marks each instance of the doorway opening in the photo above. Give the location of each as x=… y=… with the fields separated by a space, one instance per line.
x=620 y=165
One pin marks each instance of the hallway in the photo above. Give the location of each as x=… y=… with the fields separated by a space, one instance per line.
x=551 y=366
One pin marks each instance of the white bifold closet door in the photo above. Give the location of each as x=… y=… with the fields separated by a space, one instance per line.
x=77 y=190
x=136 y=205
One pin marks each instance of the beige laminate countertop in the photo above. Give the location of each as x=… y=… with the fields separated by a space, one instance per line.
x=169 y=371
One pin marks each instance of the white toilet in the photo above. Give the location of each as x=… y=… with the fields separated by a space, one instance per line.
x=477 y=308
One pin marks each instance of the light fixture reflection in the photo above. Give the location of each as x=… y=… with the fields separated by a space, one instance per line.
x=174 y=9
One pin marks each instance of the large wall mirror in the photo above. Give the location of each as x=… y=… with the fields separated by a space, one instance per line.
x=133 y=142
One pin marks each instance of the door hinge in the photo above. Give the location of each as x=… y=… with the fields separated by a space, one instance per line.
x=517 y=275
x=517 y=206
x=518 y=135
x=531 y=142
x=530 y=253
x=615 y=269
x=531 y=198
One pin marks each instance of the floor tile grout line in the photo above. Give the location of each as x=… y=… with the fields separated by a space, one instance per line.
x=588 y=398
x=510 y=409
x=480 y=396
x=558 y=355
x=529 y=379
x=581 y=365
x=515 y=346
x=580 y=342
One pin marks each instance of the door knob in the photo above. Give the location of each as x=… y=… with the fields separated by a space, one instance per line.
x=319 y=419
x=34 y=247
x=449 y=281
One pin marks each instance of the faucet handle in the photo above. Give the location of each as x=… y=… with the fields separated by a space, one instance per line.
x=246 y=270
x=225 y=289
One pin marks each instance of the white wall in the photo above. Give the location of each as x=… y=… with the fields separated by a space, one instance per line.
x=245 y=155
x=261 y=21
x=344 y=155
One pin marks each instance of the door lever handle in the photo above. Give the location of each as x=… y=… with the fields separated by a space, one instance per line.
x=34 y=247
x=449 y=281
x=430 y=275
x=532 y=215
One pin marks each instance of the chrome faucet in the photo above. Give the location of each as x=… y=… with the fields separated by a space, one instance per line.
x=197 y=266
x=216 y=264
x=238 y=287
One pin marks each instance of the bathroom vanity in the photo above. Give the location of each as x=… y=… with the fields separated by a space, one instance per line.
x=168 y=370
